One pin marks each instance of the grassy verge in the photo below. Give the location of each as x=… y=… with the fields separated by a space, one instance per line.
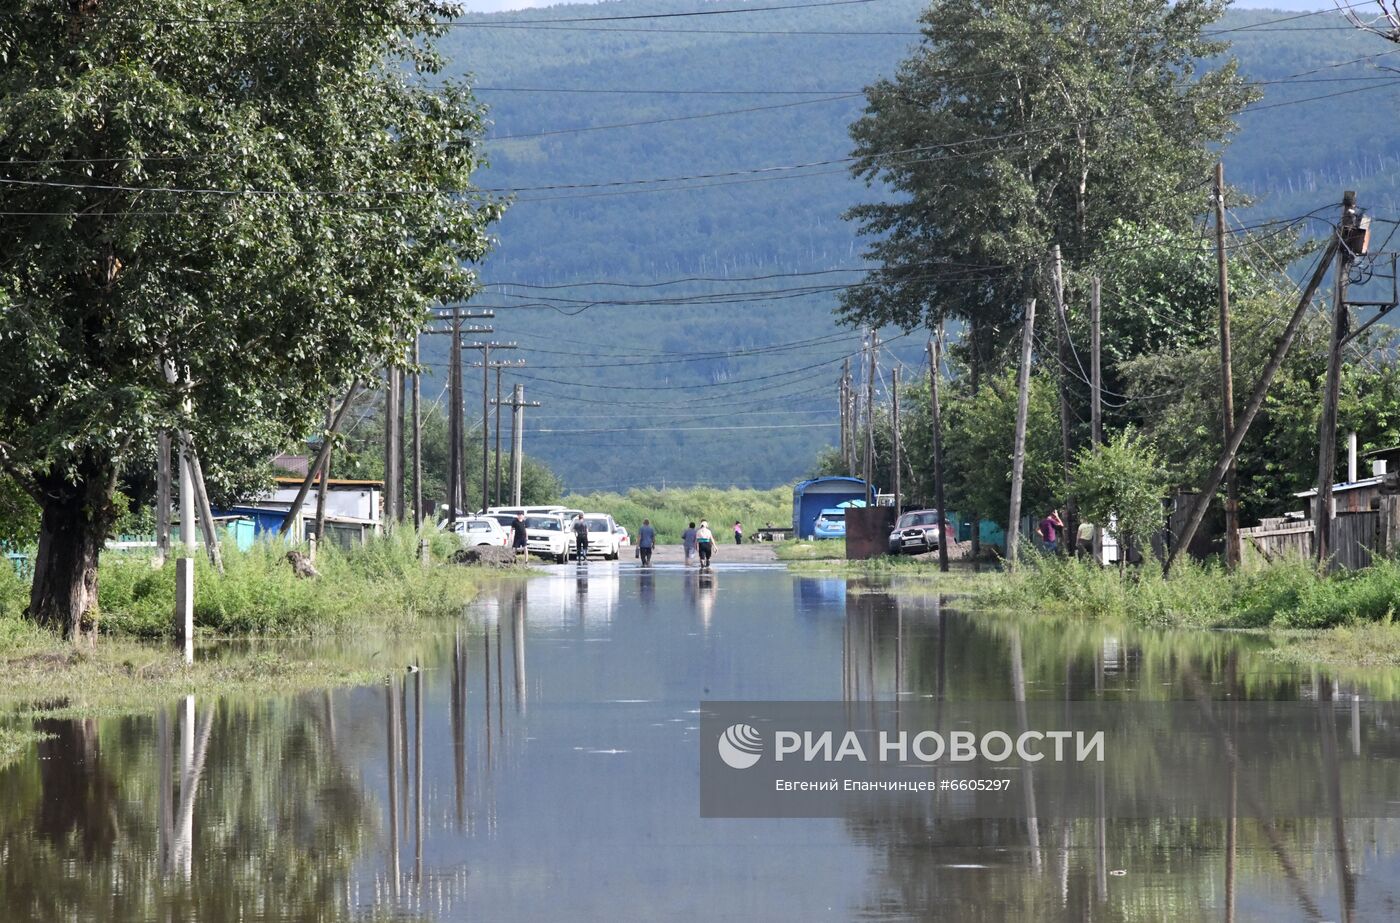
x=826 y=549
x=1280 y=596
x=672 y=509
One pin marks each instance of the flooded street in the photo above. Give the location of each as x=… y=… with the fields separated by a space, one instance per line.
x=542 y=763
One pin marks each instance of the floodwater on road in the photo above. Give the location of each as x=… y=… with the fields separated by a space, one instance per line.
x=543 y=764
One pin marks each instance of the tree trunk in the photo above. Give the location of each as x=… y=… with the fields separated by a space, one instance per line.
x=72 y=529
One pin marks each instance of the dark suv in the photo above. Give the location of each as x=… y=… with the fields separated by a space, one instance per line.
x=919 y=531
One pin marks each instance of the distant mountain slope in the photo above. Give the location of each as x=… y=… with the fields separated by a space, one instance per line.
x=642 y=391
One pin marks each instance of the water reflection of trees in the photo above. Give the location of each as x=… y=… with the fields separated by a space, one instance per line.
x=936 y=867
x=96 y=828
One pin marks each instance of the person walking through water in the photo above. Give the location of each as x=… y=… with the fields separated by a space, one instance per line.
x=705 y=542
x=646 y=541
x=688 y=541
x=519 y=539
x=738 y=532
x=581 y=538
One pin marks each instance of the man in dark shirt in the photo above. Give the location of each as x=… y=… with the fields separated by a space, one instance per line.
x=646 y=541
x=581 y=538
x=519 y=540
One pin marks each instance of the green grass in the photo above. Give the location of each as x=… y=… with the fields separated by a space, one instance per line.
x=825 y=549
x=671 y=510
x=1281 y=595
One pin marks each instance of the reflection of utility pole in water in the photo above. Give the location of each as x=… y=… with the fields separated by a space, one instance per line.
x=517 y=639
x=418 y=779
x=178 y=832
x=165 y=820
x=1018 y=692
x=500 y=686
x=457 y=711
x=391 y=726
x=1327 y=730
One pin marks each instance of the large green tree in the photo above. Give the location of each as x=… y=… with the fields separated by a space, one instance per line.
x=1019 y=124
x=259 y=194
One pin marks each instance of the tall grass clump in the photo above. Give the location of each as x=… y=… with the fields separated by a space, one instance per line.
x=1285 y=594
x=258 y=593
x=672 y=509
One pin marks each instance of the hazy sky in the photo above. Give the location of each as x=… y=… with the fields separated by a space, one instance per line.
x=491 y=6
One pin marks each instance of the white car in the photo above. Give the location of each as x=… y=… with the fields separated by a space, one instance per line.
x=602 y=536
x=481 y=530
x=547 y=535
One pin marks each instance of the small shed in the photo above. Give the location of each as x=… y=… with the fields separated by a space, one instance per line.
x=810 y=497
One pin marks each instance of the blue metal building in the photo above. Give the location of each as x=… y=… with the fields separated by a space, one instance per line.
x=809 y=498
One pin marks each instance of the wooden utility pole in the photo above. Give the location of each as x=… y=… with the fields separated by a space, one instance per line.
x=1095 y=390
x=1018 y=451
x=321 y=483
x=871 y=366
x=1066 y=356
x=417 y=437
x=1227 y=377
x=496 y=488
x=201 y=502
x=842 y=401
x=1256 y=397
x=314 y=468
x=895 y=447
x=1327 y=436
x=393 y=396
x=486 y=366
x=454 y=422
x=937 y=418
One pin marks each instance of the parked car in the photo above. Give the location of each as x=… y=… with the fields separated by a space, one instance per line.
x=602 y=536
x=547 y=535
x=624 y=540
x=919 y=531
x=481 y=530
x=831 y=523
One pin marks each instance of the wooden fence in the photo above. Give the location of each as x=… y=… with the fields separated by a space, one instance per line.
x=1357 y=537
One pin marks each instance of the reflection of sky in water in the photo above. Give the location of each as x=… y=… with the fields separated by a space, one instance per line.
x=559 y=776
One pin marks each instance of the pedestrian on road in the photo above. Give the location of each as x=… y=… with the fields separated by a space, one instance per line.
x=519 y=540
x=646 y=541
x=1048 y=533
x=705 y=542
x=688 y=540
x=581 y=538
x=738 y=532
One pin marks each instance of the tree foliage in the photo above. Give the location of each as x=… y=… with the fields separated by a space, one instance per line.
x=263 y=208
x=1120 y=485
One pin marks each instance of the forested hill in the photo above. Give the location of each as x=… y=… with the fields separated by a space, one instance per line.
x=675 y=374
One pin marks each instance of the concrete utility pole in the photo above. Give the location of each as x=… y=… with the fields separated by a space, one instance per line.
x=1018 y=451
x=1256 y=397
x=517 y=440
x=486 y=366
x=934 y=347
x=1327 y=437
x=1066 y=356
x=894 y=438
x=417 y=438
x=1227 y=377
x=1095 y=389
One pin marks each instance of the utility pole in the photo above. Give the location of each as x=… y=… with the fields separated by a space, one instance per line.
x=871 y=367
x=321 y=482
x=934 y=358
x=486 y=366
x=294 y=511
x=162 y=495
x=1227 y=377
x=1018 y=451
x=417 y=437
x=393 y=396
x=1256 y=397
x=1066 y=356
x=894 y=438
x=842 y=401
x=1327 y=437
x=1095 y=389
x=496 y=489
x=456 y=419
x=517 y=439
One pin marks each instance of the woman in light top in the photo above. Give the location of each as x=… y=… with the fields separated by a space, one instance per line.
x=705 y=542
